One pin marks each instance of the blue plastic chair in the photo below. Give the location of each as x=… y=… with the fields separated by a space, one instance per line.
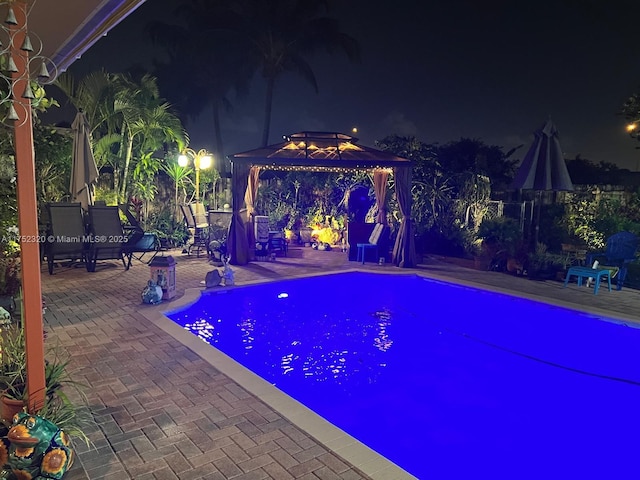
x=620 y=252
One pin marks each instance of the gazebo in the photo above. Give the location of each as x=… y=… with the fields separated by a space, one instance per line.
x=319 y=152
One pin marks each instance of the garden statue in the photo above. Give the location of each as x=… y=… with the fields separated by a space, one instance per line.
x=227 y=274
x=34 y=448
x=152 y=293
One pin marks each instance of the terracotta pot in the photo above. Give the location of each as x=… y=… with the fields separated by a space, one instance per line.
x=9 y=407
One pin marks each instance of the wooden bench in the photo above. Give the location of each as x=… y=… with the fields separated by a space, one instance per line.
x=588 y=272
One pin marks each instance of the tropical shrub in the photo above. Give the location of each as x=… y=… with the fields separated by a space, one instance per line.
x=170 y=232
x=594 y=221
x=501 y=233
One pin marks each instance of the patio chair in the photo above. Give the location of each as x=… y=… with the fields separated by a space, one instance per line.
x=218 y=229
x=66 y=233
x=377 y=242
x=107 y=237
x=620 y=252
x=277 y=243
x=261 y=235
x=199 y=213
x=138 y=242
x=199 y=231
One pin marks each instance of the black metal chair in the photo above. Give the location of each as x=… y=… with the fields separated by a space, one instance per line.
x=199 y=231
x=66 y=234
x=107 y=237
x=138 y=242
x=277 y=243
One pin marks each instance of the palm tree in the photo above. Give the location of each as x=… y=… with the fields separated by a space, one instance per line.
x=277 y=36
x=146 y=118
x=95 y=95
x=202 y=69
x=226 y=43
x=124 y=115
x=179 y=175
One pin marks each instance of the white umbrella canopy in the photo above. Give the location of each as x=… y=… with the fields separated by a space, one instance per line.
x=543 y=169
x=84 y=171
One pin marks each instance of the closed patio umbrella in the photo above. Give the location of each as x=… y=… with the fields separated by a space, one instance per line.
x=84 y=171
x=543 y=168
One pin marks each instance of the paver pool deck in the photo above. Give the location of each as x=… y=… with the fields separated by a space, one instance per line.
x=164 y=411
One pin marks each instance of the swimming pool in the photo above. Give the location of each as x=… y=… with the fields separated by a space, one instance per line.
x=444 y=380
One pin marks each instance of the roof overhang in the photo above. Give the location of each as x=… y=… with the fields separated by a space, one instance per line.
x=68 y=28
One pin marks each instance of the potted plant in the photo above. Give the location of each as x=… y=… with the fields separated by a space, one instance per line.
x=58 y=407
x=13 y=366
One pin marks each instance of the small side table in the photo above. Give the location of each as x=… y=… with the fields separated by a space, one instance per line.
x=588 y=272
x=362 y=250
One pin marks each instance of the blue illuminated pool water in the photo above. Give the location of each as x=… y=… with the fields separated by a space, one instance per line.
x=446 y=381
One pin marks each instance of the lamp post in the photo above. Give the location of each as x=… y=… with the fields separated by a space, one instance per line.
x=631 y=129
x=201 y=159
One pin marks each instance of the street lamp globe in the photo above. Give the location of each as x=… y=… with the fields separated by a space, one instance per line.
x=201 y=159
x=205 y=161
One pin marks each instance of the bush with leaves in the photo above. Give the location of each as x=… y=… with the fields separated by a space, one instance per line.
x=594 y=221
x=501 y=234
x=169 y=231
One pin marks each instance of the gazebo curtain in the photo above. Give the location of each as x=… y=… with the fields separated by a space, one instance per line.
x=250 y=200
x=237 y=244
x=404 y=250
x=380 y=189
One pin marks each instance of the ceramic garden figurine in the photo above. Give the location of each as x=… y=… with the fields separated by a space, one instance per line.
x=227 y=274
x=36 y=449
x=152 y=293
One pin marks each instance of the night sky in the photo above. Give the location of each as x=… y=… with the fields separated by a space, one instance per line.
x=441 y=70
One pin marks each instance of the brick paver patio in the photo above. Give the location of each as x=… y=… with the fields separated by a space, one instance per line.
x=162 y=412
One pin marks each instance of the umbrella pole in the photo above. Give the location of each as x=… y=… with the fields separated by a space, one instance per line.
x=537 y=205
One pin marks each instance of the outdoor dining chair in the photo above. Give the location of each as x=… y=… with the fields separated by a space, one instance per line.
x=199 y=214
x=199 y=231
x=619 y=253
x=138 y=242
x=65 y=234
x=377 y=240
x=277 y=243
x=106 y=237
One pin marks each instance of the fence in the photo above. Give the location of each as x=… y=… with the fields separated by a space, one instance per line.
x=520 y=211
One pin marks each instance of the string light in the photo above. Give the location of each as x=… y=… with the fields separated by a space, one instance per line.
x=320 y=152
x=320 y=168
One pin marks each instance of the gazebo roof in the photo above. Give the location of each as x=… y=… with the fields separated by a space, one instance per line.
x=319 y=151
